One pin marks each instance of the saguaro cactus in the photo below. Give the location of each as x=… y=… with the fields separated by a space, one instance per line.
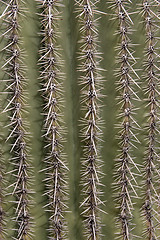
x=125 y=175
x=151 y=204
x=91 y=84
x=59 y=81
x=13 y=67
x=52 y=91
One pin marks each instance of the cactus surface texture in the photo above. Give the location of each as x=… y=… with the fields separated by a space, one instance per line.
x=79 y=119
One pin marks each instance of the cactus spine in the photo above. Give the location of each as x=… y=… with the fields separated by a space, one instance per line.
x=13 y=67
x=91 y=133
x=126 y=167
x=151 y=205
x=53 y=126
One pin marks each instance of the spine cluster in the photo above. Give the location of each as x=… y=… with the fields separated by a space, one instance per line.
x=152 y=174
x=126 y=168
x=15 y=102
x=90 y=91
x=2 y=192
x=53 y=127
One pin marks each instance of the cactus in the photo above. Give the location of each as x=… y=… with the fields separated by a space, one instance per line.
x=15 y=82
x=53 y=127
x=59 y=119
x=151 y=194
x=91 y=132
x=125 y=174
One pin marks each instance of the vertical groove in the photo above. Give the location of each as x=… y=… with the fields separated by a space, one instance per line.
x=15 y=105
x=74 y=151
x=126 y=168
x=90 y=93
x=53 y=127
